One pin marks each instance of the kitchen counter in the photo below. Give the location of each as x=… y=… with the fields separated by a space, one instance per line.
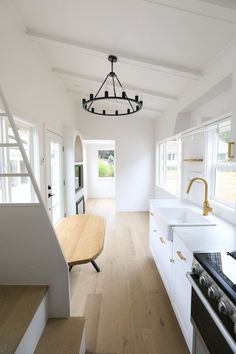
x=221 y=237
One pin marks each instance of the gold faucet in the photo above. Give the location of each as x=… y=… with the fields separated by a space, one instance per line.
x=206 y=207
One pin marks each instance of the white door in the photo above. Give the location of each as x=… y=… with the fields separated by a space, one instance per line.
x=54 y=176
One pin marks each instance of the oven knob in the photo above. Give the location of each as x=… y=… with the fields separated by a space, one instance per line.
x=225 y=308
x=205 y=280
x=196 y=269
x=214 y=292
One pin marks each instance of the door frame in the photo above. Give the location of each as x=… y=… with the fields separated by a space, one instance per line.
x=46 y=137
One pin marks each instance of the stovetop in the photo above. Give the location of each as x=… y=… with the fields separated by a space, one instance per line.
x=221 y=266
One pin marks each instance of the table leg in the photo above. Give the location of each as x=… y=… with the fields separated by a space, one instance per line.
x=95 y=266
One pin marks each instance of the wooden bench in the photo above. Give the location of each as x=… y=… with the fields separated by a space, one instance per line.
x=81 y=238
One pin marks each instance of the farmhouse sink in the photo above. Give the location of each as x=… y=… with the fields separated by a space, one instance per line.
x=167 y=218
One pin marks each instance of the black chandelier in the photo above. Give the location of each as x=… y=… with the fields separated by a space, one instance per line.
x=133 y=103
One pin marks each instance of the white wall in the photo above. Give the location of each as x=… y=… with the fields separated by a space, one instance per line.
x=98 y=187
x=135 y=150
x=216 y=82
x=33 y=92
x=214 y=108
x=30 y=254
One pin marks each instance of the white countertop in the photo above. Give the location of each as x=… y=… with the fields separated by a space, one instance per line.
x=221 y=237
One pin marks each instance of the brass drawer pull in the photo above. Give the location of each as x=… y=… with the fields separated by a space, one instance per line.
x=151 y=214
x=162 y=240
x=179 y=253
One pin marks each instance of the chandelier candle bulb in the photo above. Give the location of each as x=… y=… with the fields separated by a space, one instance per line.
x=123 y=94
x=106 y=93
x=91 y=96
x=116 y=113
x=104 y=112
x=128 y=111
x=92 y=110
x=136 y=98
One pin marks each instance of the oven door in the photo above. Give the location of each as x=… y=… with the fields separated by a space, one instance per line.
x=210 y=336
x=199 y=347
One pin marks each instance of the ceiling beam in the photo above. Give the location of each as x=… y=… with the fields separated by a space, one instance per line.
x=230 y=4
x=217 y=10
x=164 y=67
x=146 y=108
x=73 y=75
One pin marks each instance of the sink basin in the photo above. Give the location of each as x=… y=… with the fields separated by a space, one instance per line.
x=167 y=218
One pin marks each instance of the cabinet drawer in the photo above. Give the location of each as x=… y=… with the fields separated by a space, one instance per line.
x=181 y=253
x=160 y=237
x=165 y=245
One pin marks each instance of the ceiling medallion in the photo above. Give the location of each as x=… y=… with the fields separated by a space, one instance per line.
x=134 y=105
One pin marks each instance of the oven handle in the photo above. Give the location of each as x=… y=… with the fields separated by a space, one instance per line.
x=215 y=318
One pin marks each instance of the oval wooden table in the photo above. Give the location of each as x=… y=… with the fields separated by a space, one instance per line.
x=81 y=238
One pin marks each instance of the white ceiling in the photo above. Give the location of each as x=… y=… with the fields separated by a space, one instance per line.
x=163 y=45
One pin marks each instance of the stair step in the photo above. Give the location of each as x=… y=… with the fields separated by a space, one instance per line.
x=62 y=336
x=18 y=305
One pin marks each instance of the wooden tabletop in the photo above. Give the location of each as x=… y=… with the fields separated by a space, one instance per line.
x=81 y=237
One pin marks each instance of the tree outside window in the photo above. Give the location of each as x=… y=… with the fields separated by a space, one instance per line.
x=106 y=163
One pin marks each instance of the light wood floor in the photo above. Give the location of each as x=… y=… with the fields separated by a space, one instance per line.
x=126 y=306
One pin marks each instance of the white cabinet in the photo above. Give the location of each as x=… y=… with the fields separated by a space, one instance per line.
x=161 y=250
x=173 y=260
x=181 y=288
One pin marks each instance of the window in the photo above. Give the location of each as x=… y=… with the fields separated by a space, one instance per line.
x=15 y=189
x=222 y=171
x=169 y=170
x=106 y=163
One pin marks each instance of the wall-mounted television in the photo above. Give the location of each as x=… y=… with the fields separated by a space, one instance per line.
x=79 y=183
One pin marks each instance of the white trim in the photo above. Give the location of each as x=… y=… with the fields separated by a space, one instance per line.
x=35 y=329
x=200 y=128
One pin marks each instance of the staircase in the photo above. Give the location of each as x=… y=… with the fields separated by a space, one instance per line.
x=26 y=329
x=31 y=254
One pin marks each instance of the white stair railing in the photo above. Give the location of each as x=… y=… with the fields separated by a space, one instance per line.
x=7 y=113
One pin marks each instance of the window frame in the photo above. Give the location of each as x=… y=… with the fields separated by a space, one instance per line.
x=161 y=172
x=211 y=162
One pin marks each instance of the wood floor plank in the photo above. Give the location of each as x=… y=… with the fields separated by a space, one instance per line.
x=108 y=324
x=92 y=316
x=126 y=303
x=145 y=342
x=141 y=316
x=126 y=334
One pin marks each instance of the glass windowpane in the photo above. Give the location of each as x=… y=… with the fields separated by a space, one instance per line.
x=106 y=163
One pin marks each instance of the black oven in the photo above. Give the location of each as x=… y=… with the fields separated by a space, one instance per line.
x=213 y=303
x=208 y=337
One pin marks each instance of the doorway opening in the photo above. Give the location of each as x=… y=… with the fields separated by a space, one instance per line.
x=100 y=169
